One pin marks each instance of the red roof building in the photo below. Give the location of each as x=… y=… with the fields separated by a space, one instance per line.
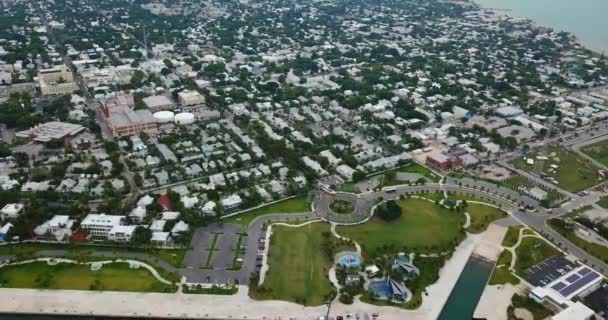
x=164 y=202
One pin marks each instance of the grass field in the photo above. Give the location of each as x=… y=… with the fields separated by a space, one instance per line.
x=481 y=216
x=112 y=277
x=598 y=151
x=502 y=275
x=294 y=205
x=511 y=237
x=505 y=258
x=531 y=251
x=82 y=252
x=420 y=169
x=575 y=173
x=297 y=267
x=423 y=226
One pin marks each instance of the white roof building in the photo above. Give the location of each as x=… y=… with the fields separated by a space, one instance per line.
x=59 y=227
x=121 y=233
x=209 y=208
x=232 y=201
x=101 y=224
x=190 y=98
x=11 y=211
x=345 y=171
x=51 y=131
x=158 y=225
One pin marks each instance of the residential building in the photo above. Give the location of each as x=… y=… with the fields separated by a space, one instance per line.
x=11 y=211
x=121 y=233
x=59 y=228
x=99 y=225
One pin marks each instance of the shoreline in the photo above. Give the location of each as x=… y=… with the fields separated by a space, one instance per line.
x=509 y=12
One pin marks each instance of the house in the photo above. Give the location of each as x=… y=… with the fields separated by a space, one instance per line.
x=165 y=202
x=121 y=233
x=59 y=228
x=138 y=214
x=170 y=215
x=158 y=225
x=179 y=227
x=11 y=211
x=209 y=208
x=232 y=201
x=4 y=230
x=99 y=225
x=345 y=171
x=161 y=239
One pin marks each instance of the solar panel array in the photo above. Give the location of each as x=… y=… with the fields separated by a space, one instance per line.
x=579 y=284
x=575 y=281
x=548 y=270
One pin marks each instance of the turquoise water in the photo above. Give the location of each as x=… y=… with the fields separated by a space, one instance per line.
x=468 y=289
x=587 y=19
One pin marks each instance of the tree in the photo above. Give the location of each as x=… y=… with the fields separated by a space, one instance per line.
x=358 y=176
x=141 y=235
x=388 y=211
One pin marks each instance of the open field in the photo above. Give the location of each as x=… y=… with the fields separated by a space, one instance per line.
x=297 y=266
x=294 y=205
x=112 y=277
x=481 y=216
x=598 y=151
x=531 y=251
x=423 y=226
x=84 y=252
x=574 y=174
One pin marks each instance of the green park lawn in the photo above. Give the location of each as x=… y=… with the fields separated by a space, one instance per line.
x=423 y=226
x=420 y=169
x=297 y=266
x=113 y=277
x=482 y=215
x=511 y=237
x=575 y=173
x=294 y=205
x=85 y=252
x=502 y=275
x=531 y=251
x=598 y=151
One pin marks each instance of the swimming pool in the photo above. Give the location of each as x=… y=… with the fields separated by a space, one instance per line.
x=380 y=288
x=350 y=261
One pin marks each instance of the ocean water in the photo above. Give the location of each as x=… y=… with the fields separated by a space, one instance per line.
x=586 y=19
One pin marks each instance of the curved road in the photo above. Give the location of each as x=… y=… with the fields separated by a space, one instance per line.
x=536 y=220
